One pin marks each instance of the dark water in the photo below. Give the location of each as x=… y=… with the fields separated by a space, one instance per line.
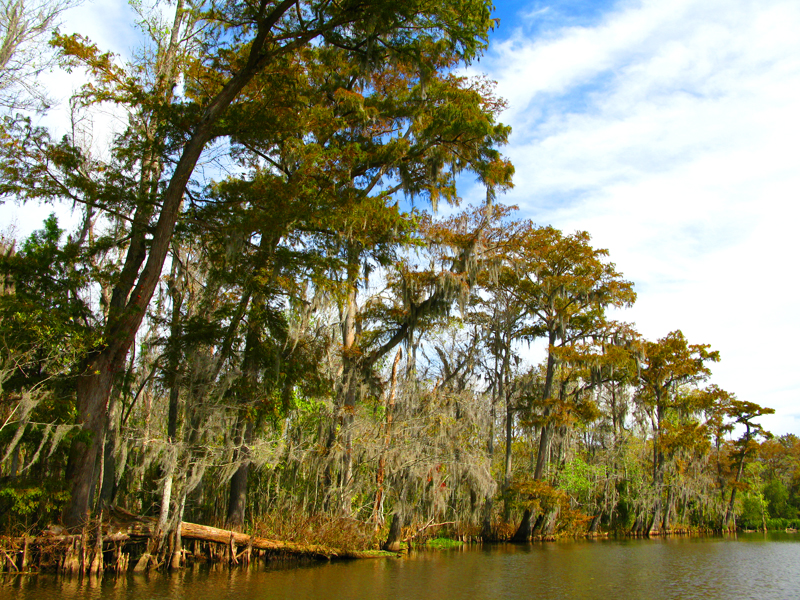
x=750 y=566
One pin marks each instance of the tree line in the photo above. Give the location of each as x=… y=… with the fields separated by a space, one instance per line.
x=260 y=313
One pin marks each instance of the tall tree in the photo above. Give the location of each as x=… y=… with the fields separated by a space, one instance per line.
x=565 y=286
x=669 y=364
x=234 y=42
x=742 y=413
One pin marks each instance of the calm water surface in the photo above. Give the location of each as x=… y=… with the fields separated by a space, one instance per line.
x=750 y=566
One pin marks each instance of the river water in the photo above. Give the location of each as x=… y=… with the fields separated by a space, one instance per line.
x=754 y=566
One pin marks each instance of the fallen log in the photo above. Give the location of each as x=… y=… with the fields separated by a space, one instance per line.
x=71 y=552
x=46 y=539
x=225 y=536
x=144 y=527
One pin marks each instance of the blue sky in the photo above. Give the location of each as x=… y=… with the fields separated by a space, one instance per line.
x=668 y=130
x=540 y=19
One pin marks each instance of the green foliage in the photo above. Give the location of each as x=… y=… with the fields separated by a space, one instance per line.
x=776 y=495
x=781 y=524
x=46 y=322
x=623 y=518
x=440 y=543
x=752 y=513
x=579 y=479
x=26 y=506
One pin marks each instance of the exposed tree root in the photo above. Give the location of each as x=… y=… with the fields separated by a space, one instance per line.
x=109 y=547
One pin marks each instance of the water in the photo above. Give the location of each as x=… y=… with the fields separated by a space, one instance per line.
x=750 y=566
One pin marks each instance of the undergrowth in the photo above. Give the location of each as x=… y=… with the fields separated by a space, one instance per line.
x=443 y=543
x=339 y=533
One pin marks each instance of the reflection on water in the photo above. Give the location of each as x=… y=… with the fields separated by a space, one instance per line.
x=750 y=566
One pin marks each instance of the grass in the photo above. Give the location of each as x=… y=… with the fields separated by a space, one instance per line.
x=443 y=543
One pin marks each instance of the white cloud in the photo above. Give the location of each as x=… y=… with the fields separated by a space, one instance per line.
x=669 y=132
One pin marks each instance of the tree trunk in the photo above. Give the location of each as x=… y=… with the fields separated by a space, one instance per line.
x=486 y=527
x=655 y=522
x=350 y=380
x=523 y=533
x=237 y=501
x=488 y=505
x=177 y=553
x=93 y=392
x=638 y=524
x=377 y=510
x=509 y=456
x=392 y=543
x=549 y=524
x=108 y=490
x=547 y=428
x=668 y=511
x=658 y=475
x=594 y=527
x=174 y=354
x=538 y=524
x=729 y=511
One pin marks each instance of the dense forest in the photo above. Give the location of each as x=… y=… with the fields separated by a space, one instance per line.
x=277 y=316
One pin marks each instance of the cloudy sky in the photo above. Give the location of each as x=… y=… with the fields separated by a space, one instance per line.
x=668 y=130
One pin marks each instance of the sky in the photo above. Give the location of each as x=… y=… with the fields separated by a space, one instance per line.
x=668 y=131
